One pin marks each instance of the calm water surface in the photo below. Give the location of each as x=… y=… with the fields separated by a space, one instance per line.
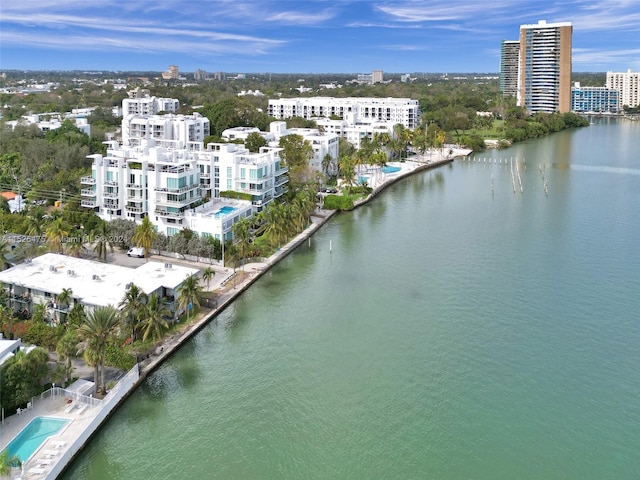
x=451 y=333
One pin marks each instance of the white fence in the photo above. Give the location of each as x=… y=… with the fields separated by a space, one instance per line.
x=110 y=401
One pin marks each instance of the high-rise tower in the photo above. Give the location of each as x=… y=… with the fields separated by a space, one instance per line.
x=544 y=83
x=509 y=54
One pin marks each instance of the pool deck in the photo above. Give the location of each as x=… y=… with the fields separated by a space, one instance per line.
x=47 y=407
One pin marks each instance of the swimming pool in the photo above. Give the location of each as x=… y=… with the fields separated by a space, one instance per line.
x=390 y=169
x=223 y=211
x=32 y=436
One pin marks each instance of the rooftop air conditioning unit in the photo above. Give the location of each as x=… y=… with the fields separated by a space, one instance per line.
x=70 y=273
x=28 y=260
x=96 y=277
x=129 y=285
x=52 y=268
x=167 y=265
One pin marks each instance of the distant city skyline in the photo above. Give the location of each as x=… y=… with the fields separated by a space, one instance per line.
x=281 y=36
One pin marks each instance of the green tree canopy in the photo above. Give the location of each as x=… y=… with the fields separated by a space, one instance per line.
x=254 y=141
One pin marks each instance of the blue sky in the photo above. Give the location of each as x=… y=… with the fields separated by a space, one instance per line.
x=305 y=36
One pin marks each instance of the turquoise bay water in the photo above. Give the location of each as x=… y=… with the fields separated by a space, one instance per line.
x=32 y=436
x=450 y=333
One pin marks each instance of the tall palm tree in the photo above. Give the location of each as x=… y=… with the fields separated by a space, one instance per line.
x=207 y=274
x=102 y=240
x=98 y=328
x=346 y=168
x=56 y=233
x=144 y=235
x=132 y=308
x=188 y=294
x=67 y=348
x=242 y=237
x=327 y=162
x=154 y=315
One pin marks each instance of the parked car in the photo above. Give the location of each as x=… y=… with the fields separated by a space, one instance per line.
x=136 y=252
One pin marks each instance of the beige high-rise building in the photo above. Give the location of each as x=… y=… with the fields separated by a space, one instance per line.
x=628 y=86
x=544 y=74
x=377 y=76
x=172 y=74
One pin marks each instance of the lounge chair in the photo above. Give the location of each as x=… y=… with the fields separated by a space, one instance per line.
x=37 y=470
x=70 y=407
x=50 y=453
x=59 y=443
x=44 y=461
x=82 y=408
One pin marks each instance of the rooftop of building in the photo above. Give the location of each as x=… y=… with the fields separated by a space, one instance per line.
x=92 y=282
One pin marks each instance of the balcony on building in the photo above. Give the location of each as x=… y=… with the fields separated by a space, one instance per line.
x=166 y=213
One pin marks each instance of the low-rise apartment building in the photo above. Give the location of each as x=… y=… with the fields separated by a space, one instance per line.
x=594 y=99
x=93 y=284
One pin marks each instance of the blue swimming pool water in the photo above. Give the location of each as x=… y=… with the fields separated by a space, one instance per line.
x=390 y=169
x=363 y=179
x=32 y=436
x=223 y=211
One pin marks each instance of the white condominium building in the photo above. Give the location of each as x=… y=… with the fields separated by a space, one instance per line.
x=355 y=133
x=143 y=104
x=180 y=187
x=404 y=111
x=168 y=130
x=51 y=121
x=628 y=86
x=234 y=168
x=146 y=180
x=322 y=143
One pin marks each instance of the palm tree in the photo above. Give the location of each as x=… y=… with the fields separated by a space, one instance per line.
x=99 y=326
x=346 y=168
x=75 y=243
x=34 y=222
x=56 y=233
x=207 y=274
x=242 y=237
x=67 y=348
x=144 y=235
x=103 y=240
x=327 y=162
x=154 y=315
x=132 y=308
x=188 y=294
x=64 y=299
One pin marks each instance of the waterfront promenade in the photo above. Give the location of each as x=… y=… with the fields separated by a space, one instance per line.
x=228 y=285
